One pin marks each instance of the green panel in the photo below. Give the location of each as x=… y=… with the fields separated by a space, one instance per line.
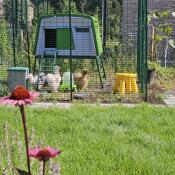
x=63 y=39
x=97 y=36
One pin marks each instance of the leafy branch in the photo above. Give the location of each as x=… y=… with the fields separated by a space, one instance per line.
x=160 y=29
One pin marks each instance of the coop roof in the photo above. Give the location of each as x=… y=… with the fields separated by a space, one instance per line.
x=94 y=25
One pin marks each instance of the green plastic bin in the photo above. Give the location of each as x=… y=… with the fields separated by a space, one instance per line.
x=66 y=83
x=17 y=76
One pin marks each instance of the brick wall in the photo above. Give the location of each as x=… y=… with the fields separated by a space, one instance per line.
x=130 y=10
x=130 y=16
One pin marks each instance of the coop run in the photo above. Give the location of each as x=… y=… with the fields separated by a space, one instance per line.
x=92 y=50
x=58 y=38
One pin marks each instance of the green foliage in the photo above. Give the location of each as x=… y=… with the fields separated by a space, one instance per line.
x=165 y=76
x=12 y=151
x=3 y=89
x=172 y=43
x=5 y=44
x=91 y=7
x=118 y=140
x=153 y=65
x=163 y=29
x=87 y=6
x=126 y=64
x=7 y=10
x=114 y=20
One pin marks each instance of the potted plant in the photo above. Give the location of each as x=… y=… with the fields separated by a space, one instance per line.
x=151 y=72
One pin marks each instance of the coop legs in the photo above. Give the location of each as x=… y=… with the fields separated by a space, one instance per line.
x=104 y=73
x=98 y=68
x=34 y=67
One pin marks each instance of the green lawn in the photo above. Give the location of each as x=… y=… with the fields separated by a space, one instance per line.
x=105 y=141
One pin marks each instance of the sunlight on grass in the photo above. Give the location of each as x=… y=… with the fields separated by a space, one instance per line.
x=105 y=141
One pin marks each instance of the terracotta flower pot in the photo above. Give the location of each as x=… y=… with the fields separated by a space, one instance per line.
x=151 y=76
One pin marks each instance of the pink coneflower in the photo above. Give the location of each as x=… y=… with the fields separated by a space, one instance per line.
x=43 y=154
x=19 y=97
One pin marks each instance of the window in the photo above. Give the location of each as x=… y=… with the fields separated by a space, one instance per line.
x=83 y=30
x=50 y=38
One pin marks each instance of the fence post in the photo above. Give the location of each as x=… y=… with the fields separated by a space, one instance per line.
x=104 y=22
x=145 y=49
x=139 y=40
x=70 y=55
x=27 y=34
x=13 y=32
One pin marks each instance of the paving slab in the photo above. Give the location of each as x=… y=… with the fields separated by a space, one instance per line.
x=169 y=99
x=51 y=104
x=68 y=105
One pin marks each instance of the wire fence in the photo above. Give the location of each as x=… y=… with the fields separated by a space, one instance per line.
x=90 y=50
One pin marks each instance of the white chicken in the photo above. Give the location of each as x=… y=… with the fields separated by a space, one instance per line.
x=36 y=81
x=32 y=81
x=54 y=80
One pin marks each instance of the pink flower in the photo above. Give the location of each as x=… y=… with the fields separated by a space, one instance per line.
x=43 y=154
x=20 y=96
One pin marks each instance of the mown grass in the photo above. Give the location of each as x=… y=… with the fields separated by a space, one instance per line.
x=105 y=141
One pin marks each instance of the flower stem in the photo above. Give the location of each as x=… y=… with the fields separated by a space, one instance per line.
x=44 y=167
x=25 y=137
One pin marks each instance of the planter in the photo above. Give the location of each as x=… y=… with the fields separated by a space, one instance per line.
x=151 y=76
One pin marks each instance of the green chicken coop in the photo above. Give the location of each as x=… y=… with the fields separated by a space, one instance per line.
x=56 y=36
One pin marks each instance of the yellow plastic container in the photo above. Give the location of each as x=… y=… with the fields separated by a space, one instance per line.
x=122 y=87
x=126 y=83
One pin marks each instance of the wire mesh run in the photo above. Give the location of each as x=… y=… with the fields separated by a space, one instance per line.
x=90 y=50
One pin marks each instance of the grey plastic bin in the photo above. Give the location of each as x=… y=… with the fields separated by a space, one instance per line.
x=17 y=76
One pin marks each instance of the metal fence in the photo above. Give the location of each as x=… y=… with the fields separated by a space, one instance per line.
x=90 y=50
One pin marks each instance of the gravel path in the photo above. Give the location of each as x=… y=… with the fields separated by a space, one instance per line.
x=68 y=105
